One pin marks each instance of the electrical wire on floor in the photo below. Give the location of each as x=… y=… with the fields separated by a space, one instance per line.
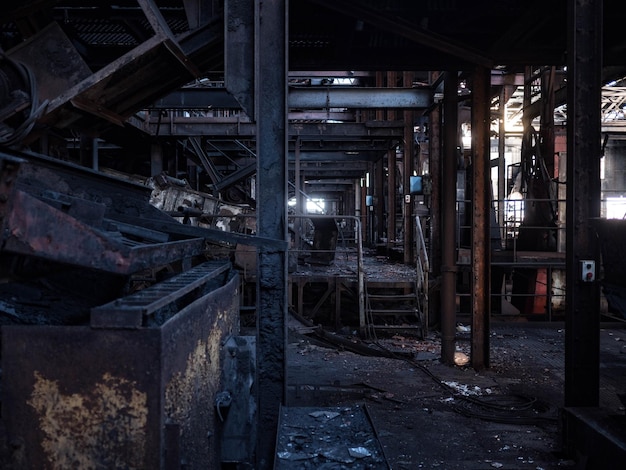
x=514 y=409
x=511 y=408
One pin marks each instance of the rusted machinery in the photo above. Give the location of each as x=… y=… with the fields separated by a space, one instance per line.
x=120 y=343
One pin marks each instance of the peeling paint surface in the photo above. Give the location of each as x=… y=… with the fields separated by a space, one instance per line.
x=189 y=395
x=98 y=398
x=103 y=429
x=183 y=387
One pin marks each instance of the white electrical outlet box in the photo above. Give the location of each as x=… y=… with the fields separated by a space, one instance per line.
x=588 y=270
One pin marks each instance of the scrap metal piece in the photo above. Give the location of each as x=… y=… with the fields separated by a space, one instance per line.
x=35 y=228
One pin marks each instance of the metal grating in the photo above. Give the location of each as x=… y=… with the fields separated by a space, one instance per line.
x=155 y=297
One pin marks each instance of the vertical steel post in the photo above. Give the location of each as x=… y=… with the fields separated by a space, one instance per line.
x=502 y=183
x=434 y=236
x=239 y=51
x=392 y=191
x=582 y=323
x=409 y=150
x=271 y=121
x=379 y=206
x=481 y=230
x=448 y=222
x=300 y=201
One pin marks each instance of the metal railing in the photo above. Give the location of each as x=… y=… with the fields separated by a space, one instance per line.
x=530 y=258
x=358 y=245
x=422 y=266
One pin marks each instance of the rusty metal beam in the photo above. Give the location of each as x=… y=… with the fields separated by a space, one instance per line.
x=360 y=98
x=238 y=127
x=35 y=228
x=119 y=89
x=271 y=58
x=392 y=191
x=219 y=236
x=239 y=52
x=435 y=154
x=481 y=212
x=448 y=219
x=408 y=166
x=160 y=27
x=582 y=324
x=305 y=98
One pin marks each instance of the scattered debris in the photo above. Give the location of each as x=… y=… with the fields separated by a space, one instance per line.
x=338 y=437
x=466 y=390
x=324 y=414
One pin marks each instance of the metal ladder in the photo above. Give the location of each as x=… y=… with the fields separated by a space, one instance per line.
x=393 y=306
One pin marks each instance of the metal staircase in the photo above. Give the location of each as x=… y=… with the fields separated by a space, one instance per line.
x=400 y=304
x=393 y=306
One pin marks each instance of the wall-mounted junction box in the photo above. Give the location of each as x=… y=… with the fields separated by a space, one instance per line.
x=588 y=270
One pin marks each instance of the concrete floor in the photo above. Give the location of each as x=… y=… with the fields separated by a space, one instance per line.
x=429 y=415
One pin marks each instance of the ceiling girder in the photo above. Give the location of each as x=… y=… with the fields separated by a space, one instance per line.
x=234 y=127
x=304 y=98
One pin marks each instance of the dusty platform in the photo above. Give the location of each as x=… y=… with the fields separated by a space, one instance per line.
x=429 y=415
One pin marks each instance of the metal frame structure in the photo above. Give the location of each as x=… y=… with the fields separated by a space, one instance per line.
x=113 y=90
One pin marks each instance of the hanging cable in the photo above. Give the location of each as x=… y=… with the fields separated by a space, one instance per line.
x=10 y=136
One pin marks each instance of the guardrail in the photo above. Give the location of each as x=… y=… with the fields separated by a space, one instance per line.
x=359 y=251
x=422 y=270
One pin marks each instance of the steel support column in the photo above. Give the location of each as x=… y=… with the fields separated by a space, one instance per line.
x=409 y=166
x=271 y=197
x=379 y=206
x=481 y=230
x=582 y=323
x=502 y=186
x=391 y=197
x=239 y=52
x=448 y=221
x=434 y=165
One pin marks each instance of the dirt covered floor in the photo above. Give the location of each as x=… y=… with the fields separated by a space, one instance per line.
x=428 y=415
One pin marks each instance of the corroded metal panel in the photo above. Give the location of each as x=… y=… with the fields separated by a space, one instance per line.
x=82 y=397
x=36 y=228
x=192 y=348
x=74 y=397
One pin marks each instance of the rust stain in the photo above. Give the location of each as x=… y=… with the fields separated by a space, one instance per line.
x=102 y=428
x=182 y=389
x=201 y=376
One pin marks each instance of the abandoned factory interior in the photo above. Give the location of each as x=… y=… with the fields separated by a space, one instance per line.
x=312 y=234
